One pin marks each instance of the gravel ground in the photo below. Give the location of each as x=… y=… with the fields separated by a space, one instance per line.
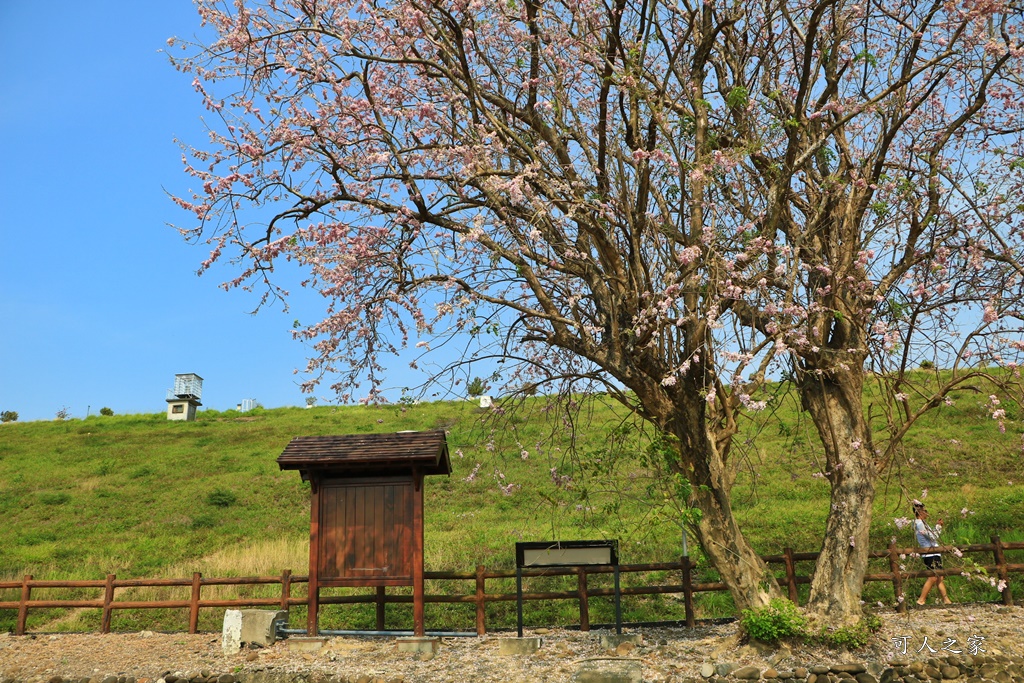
x=665 y=655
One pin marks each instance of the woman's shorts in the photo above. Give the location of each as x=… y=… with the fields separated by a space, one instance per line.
x=932 y=561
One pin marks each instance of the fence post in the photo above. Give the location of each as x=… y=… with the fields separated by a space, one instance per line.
x=481 y=627
x=791 y=575
x=379 y=602
x=581 y=574
x=688 y=592
x=286 y=588
x=897 y=579
x=312 y=602
x=1003 y=573
x=193 y=609
x=108 y=597
x=26 y=592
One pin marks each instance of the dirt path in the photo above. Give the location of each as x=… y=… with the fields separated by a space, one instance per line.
x=665 y=655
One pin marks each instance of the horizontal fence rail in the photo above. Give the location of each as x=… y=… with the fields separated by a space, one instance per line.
x=480 y=597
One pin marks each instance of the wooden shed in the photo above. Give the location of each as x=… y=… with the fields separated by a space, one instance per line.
x=366 y=517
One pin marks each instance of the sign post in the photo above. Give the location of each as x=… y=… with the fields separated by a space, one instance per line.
x=567 y=554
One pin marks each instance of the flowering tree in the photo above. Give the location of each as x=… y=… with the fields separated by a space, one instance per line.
x=665 y=199
x=881 y=161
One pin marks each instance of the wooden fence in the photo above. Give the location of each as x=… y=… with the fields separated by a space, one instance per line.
x=1000 y=568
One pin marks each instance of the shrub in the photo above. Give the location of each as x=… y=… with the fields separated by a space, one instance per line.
x=8 y=416
x=106 y=411
x=853 y=637
x=204 y=521
x=63 y=414
x=780 y=619
x=106 y=466
x=221 y=498
x=54 y=498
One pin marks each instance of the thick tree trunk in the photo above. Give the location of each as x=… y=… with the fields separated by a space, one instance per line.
x=742 y=570
x=711 y=476
x=701 y=455
x=835 y=405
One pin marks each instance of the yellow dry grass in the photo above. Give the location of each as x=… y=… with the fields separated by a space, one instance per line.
x=263 y=558
x=9 y=593
x=268 y=557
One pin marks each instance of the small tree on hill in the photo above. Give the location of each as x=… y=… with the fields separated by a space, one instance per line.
x=8 y=416
x=477 y=387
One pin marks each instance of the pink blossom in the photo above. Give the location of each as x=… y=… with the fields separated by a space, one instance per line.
x=472 y=475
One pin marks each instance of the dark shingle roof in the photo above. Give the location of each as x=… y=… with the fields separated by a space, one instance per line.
x=354 y=453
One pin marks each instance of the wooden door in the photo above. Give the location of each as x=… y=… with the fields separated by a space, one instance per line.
x=366 y=532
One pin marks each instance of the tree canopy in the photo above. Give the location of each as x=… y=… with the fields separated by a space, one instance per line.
x=675 y=201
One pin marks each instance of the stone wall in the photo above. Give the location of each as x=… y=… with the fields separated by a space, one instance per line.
x=960 y=668
x=951 y=669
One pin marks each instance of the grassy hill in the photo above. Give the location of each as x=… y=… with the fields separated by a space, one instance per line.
x=140 y=496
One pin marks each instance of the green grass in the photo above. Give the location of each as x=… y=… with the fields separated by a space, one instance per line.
x=140 y=496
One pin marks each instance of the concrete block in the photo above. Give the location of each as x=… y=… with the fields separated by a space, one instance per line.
x=519 y=646
x=609 y=671
x=231 y=635
x=306 y=643
x=258 y=625
x=419 y=645
x=610 y=642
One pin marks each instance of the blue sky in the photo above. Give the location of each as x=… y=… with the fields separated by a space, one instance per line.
x=99 y=301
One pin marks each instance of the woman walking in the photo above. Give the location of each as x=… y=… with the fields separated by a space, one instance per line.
x=928 y=538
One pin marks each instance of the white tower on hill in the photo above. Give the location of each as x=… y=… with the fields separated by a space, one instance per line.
x=183 y=399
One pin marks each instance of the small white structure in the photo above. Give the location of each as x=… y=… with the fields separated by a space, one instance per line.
x=183 y=399
x=231 y=634
x=486 y=402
